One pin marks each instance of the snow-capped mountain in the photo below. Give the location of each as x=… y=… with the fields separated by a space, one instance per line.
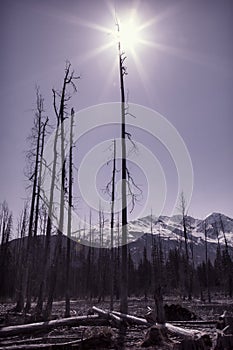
x=218 y=228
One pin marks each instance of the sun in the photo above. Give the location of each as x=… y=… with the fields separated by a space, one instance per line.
x=128 y=34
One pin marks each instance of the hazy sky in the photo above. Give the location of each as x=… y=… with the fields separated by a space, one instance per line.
x=186 y=75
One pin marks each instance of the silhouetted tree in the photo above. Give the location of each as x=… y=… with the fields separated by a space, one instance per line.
x=60 y=112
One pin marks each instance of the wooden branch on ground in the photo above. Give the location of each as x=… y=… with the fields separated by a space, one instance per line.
x=91 y=320
x=95 y=341
x=171 y=328
x=204 y=323
x=190 y=333
x=109 y=315
x=43 y=346
x=47 y=338
x=132 y=319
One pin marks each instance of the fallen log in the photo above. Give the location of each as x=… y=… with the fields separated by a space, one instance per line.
x=190 y=333
x=91 y=320
x=80 y=343
x=132 y=319
x=12 y=341
x=43 y=346
x=47 y=339
x=187 y=333
x=108 y=315
x=212 y=322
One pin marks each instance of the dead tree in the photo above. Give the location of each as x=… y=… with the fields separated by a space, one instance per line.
x=124 y=220
x=227 y=262
x=22 y=229
x=100 y=257
x=112 y=192
x=36 y=137
x=50 y=204
x=43 y=134
x=207 y=264
x=126 y=180
x=31 y=241
x=70 y=205
x=157 y=278
x=6 y=230
x=61 y=115
x=187 y=275
x=89 y=274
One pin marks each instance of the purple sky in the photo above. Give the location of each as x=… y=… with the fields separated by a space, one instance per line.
x=187 y=77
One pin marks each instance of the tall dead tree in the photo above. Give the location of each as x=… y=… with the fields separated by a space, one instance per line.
x=50 y=204
x=38 y=122
x=112 y=225
x=124 y=220
x=70 y=206
x=60 y=112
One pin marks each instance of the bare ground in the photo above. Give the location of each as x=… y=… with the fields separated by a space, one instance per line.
x=130 y=339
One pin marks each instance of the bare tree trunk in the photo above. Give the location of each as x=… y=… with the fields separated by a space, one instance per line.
x=68 y=80
x=112 y=226
x=100 y=258
x=156 y=280
x=70 y=202
x=40 y=175
x=31 y=241
x=187 y=281
x=6 y=232
x=39 y=306
x=207 y=266
x=124 y=246
x=21 y=263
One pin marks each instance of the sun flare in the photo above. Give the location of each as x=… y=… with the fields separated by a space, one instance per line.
x=128 y=34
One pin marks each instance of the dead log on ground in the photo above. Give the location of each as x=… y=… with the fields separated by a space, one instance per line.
x=132 y=319
x=186 y=333
x=92 y=320
x=194 y=323
x=109 y=315
x=97 y=338
x=189 y=333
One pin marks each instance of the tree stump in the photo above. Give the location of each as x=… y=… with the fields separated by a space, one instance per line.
x=155 y=336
